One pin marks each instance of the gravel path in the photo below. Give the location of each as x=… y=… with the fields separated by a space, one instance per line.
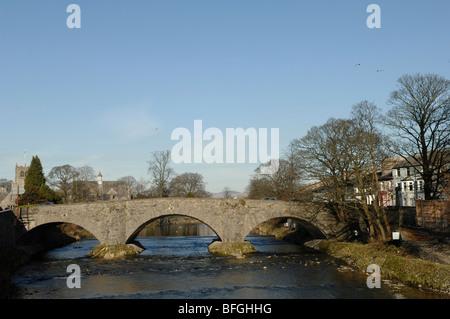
x=428 y=247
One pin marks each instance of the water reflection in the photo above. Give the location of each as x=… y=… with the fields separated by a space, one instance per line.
x=178 y=229
x=181 y=267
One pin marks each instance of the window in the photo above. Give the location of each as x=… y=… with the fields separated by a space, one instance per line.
x=22 y=174
x=410 y=186
x=421 y=185
x=408 y=172
x=412 y=202
x=398 y=172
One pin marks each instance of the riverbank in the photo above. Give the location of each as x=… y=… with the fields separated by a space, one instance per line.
x=422 y=261
x=394 y=263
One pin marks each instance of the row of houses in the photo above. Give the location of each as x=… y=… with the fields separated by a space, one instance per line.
x=400 y=184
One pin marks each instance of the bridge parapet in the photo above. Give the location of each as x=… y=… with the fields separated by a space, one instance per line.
x=119 y=222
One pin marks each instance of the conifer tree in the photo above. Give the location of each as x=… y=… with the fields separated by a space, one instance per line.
x=35 y=176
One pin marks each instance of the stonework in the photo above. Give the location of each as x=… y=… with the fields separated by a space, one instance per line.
x=433 y=214
x=120 y=222
x=10 y=199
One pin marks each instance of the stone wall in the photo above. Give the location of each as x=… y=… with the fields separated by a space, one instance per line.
x=433 y=214
x=7 y=228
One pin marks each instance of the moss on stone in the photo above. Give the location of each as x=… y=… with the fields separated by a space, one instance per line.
x=117 y=251
x=237 y=249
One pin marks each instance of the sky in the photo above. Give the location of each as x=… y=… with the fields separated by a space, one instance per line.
x=111 y=92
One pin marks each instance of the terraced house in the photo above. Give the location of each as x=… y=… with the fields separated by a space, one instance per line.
x=409 y=183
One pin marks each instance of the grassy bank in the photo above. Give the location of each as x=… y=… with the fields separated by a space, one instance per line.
x=393 y=262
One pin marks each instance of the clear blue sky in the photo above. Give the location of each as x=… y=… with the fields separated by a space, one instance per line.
x=111 y=92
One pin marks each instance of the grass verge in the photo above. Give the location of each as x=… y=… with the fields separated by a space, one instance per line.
x=393 y=264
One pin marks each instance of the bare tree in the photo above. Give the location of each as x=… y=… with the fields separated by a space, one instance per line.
x=80 y=183
x=141 y=188
x=366 y=157
x=160 y=171
x=283 y=183
x=62 y=178
x=260 y=186
x=86 y=174
x=344 y=155
x=322 y=156
x=130 y=181
x=420 y=117
x=6 y=183
x=188 y=185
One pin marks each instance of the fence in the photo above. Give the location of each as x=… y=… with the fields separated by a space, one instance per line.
x=437 y=223
x=433 y=214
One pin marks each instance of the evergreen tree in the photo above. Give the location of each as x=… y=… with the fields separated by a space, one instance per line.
x=35 y=176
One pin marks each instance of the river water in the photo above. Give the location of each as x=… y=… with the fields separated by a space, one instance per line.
x=181 y=267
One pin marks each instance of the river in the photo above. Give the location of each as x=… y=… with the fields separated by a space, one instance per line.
x=180 y=266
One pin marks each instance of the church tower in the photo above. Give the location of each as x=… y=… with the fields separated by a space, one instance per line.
x=100 y=185
x=19 y=181
x=99 y=178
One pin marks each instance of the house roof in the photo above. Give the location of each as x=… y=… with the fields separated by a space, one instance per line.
x=407 y=163
x=109 y=187
x=413 y=160
x=3 y=195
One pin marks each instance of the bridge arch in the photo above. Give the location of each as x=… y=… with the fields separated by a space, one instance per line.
x=133 y=236
x=317 y=220
x=142 y=212
x=47 y=236
x=302 y=228
x=70 y=214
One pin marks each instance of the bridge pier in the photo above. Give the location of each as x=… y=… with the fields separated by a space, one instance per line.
x=237 y=249
x=115 y=251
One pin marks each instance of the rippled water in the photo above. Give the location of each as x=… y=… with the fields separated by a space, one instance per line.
x=181 y=267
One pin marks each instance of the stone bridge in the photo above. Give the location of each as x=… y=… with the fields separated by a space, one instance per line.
x=119 y=222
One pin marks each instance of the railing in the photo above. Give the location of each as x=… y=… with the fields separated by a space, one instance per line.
x=437 y=223
x=430 y=222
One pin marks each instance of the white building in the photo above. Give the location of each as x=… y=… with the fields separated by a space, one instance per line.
x=408 y=183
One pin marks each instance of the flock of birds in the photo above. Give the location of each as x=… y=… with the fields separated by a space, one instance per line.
x=359 y=64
